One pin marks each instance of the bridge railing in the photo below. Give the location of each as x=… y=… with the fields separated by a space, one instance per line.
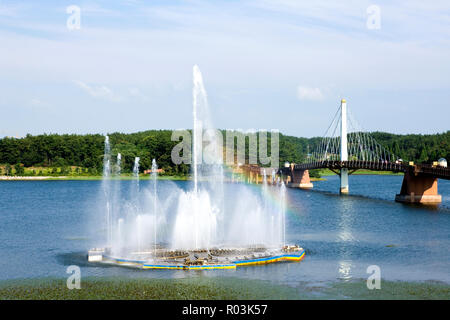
x=353 y=165
x=435 y=171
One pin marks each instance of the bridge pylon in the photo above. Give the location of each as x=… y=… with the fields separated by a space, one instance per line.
x=344 y=148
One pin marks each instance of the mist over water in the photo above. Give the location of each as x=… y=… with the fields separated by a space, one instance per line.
x=196 y=218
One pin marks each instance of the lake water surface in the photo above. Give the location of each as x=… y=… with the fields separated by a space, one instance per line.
x=43 y=229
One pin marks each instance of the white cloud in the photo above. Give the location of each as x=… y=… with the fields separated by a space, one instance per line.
x=96 y=10
x=10 y=10
x=36 y=103
x=100 y=92
x=308 y=93
x=136 y=93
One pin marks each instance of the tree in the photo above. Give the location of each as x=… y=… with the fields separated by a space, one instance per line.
x=86 y=151
x=314 y=173
x=19 y=169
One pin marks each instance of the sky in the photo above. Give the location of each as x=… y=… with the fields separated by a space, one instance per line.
x=266 y=64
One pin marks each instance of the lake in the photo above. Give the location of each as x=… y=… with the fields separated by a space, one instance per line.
x=43 y=229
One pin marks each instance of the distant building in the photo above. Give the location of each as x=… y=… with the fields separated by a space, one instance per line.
x=442 y=162
x=150 y=171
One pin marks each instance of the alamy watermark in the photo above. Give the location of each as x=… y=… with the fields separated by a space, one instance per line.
x=74 y=20
x=210 y=147
x=74 y=280
x=373 y=17
x=374 y=280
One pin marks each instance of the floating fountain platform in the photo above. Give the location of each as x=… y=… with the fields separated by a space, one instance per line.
x=229 y=258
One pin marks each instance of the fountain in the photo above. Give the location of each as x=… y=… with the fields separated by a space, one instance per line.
x=136 y=168
x=155 y=211
x=196 y=228
x=119 y=164
x=106 y=184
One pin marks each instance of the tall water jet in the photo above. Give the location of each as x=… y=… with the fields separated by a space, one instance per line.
x=139 y=234
x=107 y=159
x=154 y=176
x=267 y=209
x=120 y=236
x=264 y=185
x=265 y=198
x=115 y=205
x=136 y=175
x=136 y=167
x=106 y=184
x=119 y=164
x=132 y=207
x=198 y=90
x=196 y=209
x=283 y=212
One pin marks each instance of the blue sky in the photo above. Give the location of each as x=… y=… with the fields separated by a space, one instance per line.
x=266 y=65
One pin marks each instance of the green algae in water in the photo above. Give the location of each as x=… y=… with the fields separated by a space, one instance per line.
x=390 y=290
x=138 y=289
x=216 y=289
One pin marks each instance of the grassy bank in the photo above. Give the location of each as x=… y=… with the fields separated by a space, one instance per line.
x=216 y=289
x=123 y=177
x=71 y=173
x=83 y=178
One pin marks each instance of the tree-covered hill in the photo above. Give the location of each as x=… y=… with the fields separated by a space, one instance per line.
x=86 y=151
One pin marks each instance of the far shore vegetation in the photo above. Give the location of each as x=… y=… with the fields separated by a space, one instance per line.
x=81 y=156
x=77 y=173
x=18 y=172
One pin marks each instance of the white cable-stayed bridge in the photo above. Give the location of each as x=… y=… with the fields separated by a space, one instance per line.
x=346 y=148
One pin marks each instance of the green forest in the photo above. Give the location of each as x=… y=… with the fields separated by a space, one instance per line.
x=73 y=154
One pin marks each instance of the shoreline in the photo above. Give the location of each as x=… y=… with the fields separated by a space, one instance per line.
x=162 y=177
x=83 y=178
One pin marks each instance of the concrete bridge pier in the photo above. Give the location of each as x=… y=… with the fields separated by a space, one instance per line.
x=419 y=188
x=344 y=181
x=299 y=179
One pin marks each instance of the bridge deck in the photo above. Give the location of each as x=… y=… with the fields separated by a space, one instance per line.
x=423 y=169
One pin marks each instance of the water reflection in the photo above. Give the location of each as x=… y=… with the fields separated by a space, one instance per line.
x=346 y=212
x=345 y=269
